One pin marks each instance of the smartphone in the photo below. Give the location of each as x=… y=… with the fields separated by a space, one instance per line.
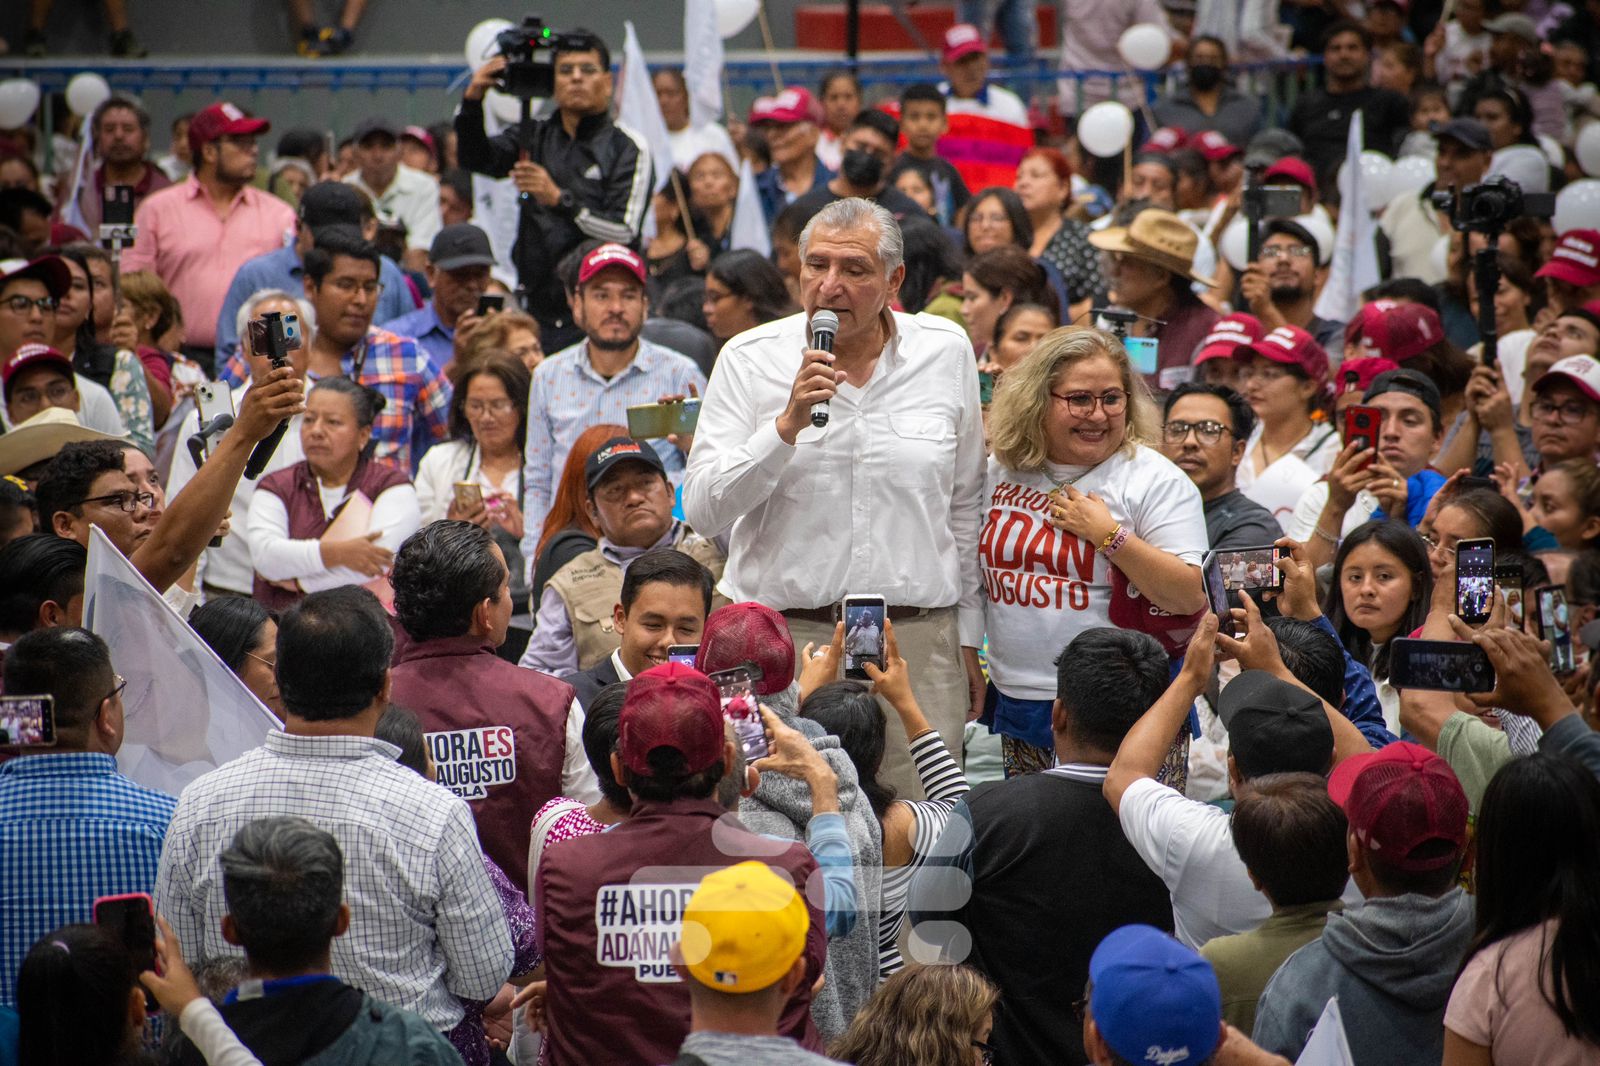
x=27 y=721
x=649 y=420
x=864 y=620
x=741 y=710
x=1250 y=568
x=1474 y=580
x=118 y=207
x=1467 y=484
x=1216 y=588
x=490 y=302
x=1442 y=665
x=274 y=335
x=985 y=388
x=684 y=654
x=1280 y=201
x=1555 y=624
x=1508 y=586
x=132 y=920
x=212 y=399
x=468 y=494
x=1363 y=424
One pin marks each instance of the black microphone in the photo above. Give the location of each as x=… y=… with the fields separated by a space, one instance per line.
x=824 y=324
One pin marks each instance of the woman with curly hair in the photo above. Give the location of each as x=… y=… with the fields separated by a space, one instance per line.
x=929 y=1015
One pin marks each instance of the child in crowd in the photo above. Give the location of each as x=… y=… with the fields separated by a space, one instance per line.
x=923 y=121
x=1429 y=104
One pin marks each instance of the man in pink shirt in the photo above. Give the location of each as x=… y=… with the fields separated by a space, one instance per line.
x=195 y=235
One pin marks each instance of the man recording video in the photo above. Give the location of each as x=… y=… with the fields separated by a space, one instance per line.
x=580 y=176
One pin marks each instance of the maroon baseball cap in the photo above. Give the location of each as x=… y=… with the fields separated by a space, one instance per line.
x=1292 y=168
x=1400 y=798
x=1227 y=335
x=1166 y=139
x=1366 y=369
x=32 y=355
x=961 y=40
x=611 y=255
x=1291 y=346
x=792 y=105
x=222 y=120
x=742 y=633
x=1582 y=371
x=671 y=706
x=49 y=269
x=1393 y=330
x=1215 y=146
x=1576 y=259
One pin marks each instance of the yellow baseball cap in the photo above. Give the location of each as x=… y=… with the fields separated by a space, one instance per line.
x=743 y=928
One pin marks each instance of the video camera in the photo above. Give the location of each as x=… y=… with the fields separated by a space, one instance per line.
x=530 y=50
x=1490 y=205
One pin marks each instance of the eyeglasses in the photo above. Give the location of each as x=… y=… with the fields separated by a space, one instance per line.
x=1285 y=251
x=120 y=683
x=1207 y=432
x=20 y=305
x=1566 y=413
x=270 y=664
x=1083 y=404
x=350 y=286
x=985 y=1052
x=127 y=502
x=479 y=408
x=57 y=393
x=581 y=70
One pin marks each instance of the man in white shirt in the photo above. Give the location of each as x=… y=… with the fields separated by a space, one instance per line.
x=398 y=191
x=966 y=70
x=885 y=498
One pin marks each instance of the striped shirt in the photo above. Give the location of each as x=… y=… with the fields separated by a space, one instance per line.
x=944 y=784
x=72 y=829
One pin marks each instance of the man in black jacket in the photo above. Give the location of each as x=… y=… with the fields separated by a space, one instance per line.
x=580 y=175
x=1321 y=119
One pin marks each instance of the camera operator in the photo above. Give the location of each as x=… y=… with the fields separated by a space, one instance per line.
x=581 y=176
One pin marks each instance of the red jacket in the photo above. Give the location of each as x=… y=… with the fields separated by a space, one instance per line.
x=610 y=907
x=497 y=734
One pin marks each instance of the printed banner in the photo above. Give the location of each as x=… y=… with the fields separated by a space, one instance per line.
x=471 y=761
x=636 y=926
x=1027 y=561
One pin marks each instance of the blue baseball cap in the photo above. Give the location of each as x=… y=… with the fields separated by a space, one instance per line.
x=1154 y=1000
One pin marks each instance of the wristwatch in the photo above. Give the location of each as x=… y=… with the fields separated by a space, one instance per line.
x=568 y=202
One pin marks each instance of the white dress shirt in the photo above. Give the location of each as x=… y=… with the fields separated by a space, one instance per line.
x=413 y=198
x=886 y=499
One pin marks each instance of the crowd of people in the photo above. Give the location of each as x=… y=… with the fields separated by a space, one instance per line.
x=879 y=615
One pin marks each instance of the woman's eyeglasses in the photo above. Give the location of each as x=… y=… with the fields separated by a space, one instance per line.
x=1083 y=404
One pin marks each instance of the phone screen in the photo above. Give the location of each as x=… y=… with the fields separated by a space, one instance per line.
x=1216 y=590
x=118 y=210
x=1508 y=586
x=1249 y=568
x=683 y=654
x=864 y=618
x=27 y=721
x=739 y=709
x=1556 y=622
x=132 y=920
x=1474 y=580
x=1441 y=665
x=468 y=494
x=985 y=388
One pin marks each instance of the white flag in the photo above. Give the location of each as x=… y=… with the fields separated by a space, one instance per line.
x=71 y=209
x=185 y=712
x=1355 y=249
x=749 y=226
x=702 y=62
x=638 y=108
x=1327 y=1045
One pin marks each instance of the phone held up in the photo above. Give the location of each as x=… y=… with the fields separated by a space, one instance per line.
x=1363 y=424
x=468 y=496
x=740 y=708
x=683 y=654
x=1474 y=580
x=864 y=632
x=1441 y=665
x=27 y=721
x=1555 y=625
x=131 y=919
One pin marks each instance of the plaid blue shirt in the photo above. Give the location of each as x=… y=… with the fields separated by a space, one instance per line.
x=72 y=829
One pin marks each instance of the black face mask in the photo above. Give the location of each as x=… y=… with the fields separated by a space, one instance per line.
x=861 y=168
x=1205 y=77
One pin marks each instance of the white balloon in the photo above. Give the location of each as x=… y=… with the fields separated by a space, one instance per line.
x=1104 y=129
x=735 y=15
x=504 y=106
x=19 y=99
x=86 y=91
x=1318 y=226
x=1235 y=243
x=481 y=45
x=1587 y=149
x=1578 y=206
x=1409 y=175
x=1145 y=46
x=1376 y=170
x=1552 y=150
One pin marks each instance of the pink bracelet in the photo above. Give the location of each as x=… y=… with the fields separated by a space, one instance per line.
x=1116 y=543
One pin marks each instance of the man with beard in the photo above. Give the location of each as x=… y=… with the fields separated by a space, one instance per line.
x=1321 y=119
x=121 y=140
x=1281 y=287
x=869 y=146
x=598 y=379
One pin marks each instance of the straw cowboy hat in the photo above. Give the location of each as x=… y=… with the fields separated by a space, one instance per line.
x=40 y=437
x=1157 y=237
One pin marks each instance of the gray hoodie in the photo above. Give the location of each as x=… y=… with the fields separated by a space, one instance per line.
x=781 y=807
x=1391 y=962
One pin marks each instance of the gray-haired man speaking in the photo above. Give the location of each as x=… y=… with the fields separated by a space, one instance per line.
x=885 y=499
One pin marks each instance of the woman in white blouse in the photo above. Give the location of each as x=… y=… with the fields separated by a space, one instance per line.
x=294 y=508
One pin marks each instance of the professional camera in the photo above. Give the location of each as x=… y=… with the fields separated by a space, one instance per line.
x=1491 y=205
x=530 y=51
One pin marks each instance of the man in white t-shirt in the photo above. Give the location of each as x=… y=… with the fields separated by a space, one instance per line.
x=1275 y=725
x=397 y=191
x=966 y=86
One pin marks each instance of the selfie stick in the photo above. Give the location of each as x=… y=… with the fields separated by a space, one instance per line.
x=824 y=324
x=114 y=237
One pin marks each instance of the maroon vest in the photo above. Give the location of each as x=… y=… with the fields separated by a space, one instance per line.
x=497 y=734
x=296 y=486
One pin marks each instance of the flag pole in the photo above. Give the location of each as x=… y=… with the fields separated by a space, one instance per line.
x=772 y=51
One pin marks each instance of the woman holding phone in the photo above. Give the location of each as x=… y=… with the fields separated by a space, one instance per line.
x=1382 y=586
x=1081 y=510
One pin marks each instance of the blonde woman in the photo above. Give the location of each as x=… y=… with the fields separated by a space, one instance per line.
x=929 y=1015
x=1081 y=509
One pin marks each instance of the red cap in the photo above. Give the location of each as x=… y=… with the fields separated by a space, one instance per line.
x=1291 y=346
x=1166 y=139
x=611 y=255
x=1228 y=334
x=31 y=355
x=1215 y=146
x=222 y=120
x=1399 y=798
x=742 y=633
x=420 y=135
x=49 y=269
x=671 y=706
x=1366 y=369
x=1292 y=169
x=792 y=105
x=1581 y=370
x=1392 y=330
x=1576 y=259
x=963 y=39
